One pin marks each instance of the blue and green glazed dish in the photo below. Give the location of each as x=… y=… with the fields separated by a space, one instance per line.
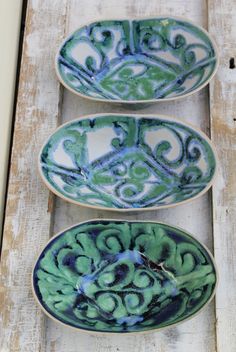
x=137 y=60
x=122 y=277
x=134 y=162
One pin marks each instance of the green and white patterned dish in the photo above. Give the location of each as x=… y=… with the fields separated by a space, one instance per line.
x=137 y=60
x=120 y=162
x=121 y=276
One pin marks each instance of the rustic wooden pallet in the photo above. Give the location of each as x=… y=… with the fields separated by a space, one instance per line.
x=33 y=215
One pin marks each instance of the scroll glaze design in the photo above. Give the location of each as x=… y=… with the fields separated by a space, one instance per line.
x=120 y=161
x=137 y=59
x=122 y=277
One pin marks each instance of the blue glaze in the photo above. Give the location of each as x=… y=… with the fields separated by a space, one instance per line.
x=133 y=256
x=127 y=276
x=129 y=320
x=137 y=162
x=137 y=60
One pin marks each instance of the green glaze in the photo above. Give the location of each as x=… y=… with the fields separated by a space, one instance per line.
x=137 y=60
x=119 y=276
x=127 y=161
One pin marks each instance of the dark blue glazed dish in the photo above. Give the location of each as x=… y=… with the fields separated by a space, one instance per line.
x=121 y=276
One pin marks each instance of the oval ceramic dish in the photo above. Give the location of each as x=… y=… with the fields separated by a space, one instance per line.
x=121 y=276
x=120 y=162
x=137 y=60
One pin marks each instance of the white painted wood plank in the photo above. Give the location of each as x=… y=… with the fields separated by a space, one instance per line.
x=28 y=211
x=10 y=20
x=222 y=25
x=197 y=334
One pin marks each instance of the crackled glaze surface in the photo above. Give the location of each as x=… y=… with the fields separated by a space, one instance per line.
x=127 y=161
x=133 y=60
x=119 y=276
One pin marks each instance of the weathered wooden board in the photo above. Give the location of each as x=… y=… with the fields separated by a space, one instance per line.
x=28 y=212
x=222 y=24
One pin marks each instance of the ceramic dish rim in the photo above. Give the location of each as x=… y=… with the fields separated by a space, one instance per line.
x=149 y=116
x=137 y=18
x=91 y=332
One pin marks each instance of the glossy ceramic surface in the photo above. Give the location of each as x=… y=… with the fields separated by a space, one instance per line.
x=120 y=276
x=128 y=161
x=141 y=60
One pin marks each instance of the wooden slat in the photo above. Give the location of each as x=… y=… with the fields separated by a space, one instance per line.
x=10 y=20
x=222 y=24
x=27 y=223
x=194 y=335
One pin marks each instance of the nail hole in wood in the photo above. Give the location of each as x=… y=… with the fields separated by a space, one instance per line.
x=231 y=63
x=234 y=119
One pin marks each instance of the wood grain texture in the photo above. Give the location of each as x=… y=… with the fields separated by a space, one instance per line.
x=194 y=335
x=222 y=25
x=27 y=222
